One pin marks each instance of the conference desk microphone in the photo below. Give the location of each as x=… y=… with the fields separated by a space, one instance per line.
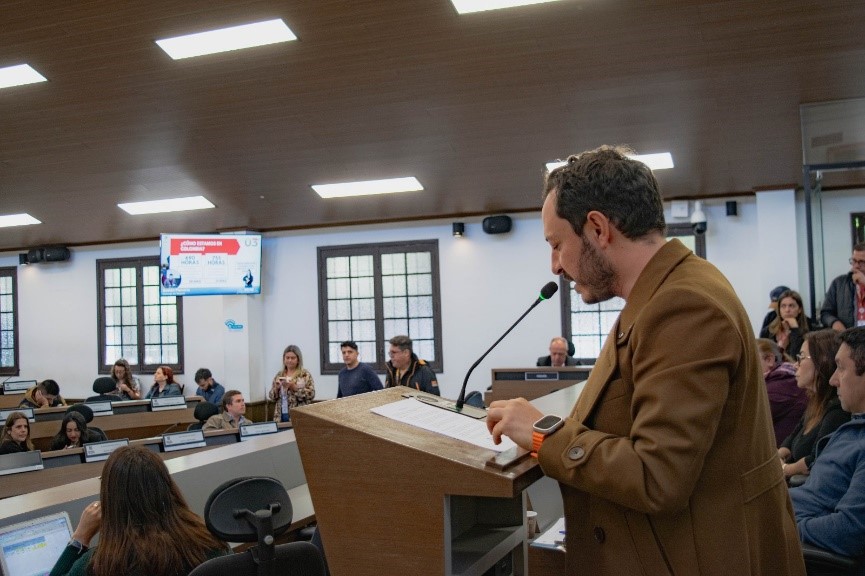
x=459 y=406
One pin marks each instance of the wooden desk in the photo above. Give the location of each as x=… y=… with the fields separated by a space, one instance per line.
x=139 y=425
x=197 y=473
x=534 y=382
x=10 y=400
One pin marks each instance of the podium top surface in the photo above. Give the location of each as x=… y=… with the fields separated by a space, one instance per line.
x=353 y=415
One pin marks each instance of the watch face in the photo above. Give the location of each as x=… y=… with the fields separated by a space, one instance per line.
x=546 y=423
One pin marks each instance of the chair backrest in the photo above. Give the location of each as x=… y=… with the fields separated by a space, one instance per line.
x=476 y=399
x=820 y=562
x=195 y=426
x=84 y=410
x=104 y=385
x=96 y=434
x=292 y=559
x=204 y=410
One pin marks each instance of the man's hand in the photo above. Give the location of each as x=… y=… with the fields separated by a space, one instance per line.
x=859 y=277
x=838 y=326
x=514 y=419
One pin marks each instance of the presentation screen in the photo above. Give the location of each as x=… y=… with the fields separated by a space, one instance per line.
x=206 y=264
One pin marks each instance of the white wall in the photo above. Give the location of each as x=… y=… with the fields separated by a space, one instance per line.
x=486 y=283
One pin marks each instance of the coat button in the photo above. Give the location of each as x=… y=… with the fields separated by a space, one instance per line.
x=576 y=453
x=599 y=535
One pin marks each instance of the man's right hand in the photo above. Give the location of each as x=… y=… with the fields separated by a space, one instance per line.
x=838 y=326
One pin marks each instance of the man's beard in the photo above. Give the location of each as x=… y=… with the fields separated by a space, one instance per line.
x=597 y=277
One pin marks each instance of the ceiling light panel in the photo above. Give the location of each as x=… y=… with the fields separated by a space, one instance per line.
x=168 y=205
x=227 y=39
x=368 y=187
x=17 y=220
x=19 y=75
x=469 y=6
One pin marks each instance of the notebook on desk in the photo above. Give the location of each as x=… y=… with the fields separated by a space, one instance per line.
x=32 y=548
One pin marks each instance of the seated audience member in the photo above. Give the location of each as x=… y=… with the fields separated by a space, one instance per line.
x=94 y=433
x=15 y=436
x=774 y=296
x=830 y=505
x=405 y=369
x=73 y=432
x=786 y=400
x=844 y=304
x=46 y=394
x=292 y=386
x=232 y=417
x=356 y=377
x=558 y=354
x=824 y=414
x=208 y=388
x=106 y=390
x=143 y=522
x=164 y=384
x=788 y=329
x=127 y=386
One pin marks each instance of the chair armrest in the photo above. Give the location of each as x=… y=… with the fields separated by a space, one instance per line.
x=824 y=559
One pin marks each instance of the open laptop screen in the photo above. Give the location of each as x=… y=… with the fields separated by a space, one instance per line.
x=32 y=548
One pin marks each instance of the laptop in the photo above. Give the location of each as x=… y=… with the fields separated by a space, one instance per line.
x=32 y=548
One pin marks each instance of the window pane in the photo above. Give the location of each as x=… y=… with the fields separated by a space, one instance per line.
x=362 y=287
x=112 y=297
x=361 y=265
x=363 y=309
x=169 y=314
x=111 y=277
x=424 y=349
x=128 y=297
x=395 y=328
x=7 y=321
x=418 y=262
x=364 y=330
x=129 y=315
x=337 y=267
x=127 y=277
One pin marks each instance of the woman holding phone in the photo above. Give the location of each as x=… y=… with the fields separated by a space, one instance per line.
x=292 y=386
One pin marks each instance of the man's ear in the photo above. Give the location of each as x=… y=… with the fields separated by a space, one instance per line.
x=599 y=228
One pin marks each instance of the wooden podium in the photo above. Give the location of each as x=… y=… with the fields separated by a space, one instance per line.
x=391 y=498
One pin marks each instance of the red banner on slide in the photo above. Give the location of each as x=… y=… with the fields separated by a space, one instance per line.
x=228 y=246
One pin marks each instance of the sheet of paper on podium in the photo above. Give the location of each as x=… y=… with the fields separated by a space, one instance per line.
x=416 y=413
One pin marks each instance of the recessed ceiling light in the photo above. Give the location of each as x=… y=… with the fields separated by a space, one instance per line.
x=227 y=39
x=19 y=75
x=469 y=6
x=368 y=187
x=17 y=220
x=168 y=205
x=659 y=161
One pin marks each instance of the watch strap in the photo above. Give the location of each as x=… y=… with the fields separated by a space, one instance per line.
x=537 y=440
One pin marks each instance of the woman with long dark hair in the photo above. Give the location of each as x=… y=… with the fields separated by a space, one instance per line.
x=823 y=414
x=789 y=327
x=15 y=436
x=143 y=521
x=73 y=432
x=128 y=386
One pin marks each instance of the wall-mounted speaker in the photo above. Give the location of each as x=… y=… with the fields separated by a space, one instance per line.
x=497 y=224
x=56 y=254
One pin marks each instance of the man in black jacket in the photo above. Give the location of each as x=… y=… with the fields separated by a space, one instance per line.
x=844 y=305
x=406 y=369
x=558 y=354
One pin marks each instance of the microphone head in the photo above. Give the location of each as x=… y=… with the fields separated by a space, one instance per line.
x=548 y=290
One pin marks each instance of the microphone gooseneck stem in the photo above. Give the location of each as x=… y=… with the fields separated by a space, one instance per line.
x=462 y=398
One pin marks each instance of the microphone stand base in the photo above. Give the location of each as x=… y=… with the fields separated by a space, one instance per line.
x=444 y=403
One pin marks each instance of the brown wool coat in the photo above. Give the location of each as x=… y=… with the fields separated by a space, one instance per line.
x=667 y=464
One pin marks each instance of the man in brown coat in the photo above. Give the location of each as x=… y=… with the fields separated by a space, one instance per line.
x=667 y=463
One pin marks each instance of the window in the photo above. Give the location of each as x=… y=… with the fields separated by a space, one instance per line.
x=135 y=322
x=373 y=292
x=8 y=321
x=589 y=324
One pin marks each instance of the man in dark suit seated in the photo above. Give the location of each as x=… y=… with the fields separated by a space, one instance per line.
x=558 y=354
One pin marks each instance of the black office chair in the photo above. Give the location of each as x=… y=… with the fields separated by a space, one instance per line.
x=256 y=509
x=96 y=434
x=820 y=562
x=103 y=386
x=203 y=411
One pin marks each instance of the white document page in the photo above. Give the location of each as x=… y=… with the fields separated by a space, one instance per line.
x=416 y=413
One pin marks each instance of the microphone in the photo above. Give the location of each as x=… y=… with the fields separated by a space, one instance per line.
x=547 y=292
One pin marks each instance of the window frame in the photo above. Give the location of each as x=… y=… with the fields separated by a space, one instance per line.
x=139 y=263
x=376 y=250
x=675 y=230
x=15 y=369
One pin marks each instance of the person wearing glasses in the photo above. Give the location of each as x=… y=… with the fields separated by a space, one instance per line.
x=405 y=369
x=824 y=414
x=844 y=305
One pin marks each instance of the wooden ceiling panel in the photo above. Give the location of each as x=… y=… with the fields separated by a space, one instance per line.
x=472 y=105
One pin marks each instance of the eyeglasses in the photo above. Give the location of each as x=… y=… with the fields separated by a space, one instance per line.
x=800 y=357
x=856 y=262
